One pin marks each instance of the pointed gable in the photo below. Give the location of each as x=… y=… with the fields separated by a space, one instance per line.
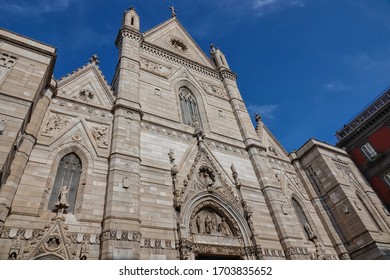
x=171 y=36
x=87 y=85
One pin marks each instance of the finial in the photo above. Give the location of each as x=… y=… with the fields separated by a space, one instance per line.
x=212 y=48
x=94 y=59
x=257 y=118
x=173 y=10
x=131 y=8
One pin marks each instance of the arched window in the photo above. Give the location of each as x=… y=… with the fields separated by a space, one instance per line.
x=302 y=219
x=68 y=174
x=374 y=221
x=189 y=108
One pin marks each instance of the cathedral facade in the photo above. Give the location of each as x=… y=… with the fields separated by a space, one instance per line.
x=164 y=163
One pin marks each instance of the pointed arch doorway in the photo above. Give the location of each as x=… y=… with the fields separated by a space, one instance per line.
x=216 y=232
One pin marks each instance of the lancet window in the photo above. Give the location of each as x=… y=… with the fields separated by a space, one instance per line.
x=189 y=108
x=68 y=174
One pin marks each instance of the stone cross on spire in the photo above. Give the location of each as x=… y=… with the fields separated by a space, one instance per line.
x=94 y=59
x=173 y=10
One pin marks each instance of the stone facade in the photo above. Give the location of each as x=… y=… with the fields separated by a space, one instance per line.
x=164 y=163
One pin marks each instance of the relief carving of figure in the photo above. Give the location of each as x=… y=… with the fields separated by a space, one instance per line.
x=223 y=228
x=208 y=225
x=207 y=176
x=53 y=243
x=199 y=225
x=101 y=135
x=176 y=199
x=54 y=124
x=213 y=225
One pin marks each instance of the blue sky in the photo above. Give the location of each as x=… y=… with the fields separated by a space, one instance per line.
x=307 y=66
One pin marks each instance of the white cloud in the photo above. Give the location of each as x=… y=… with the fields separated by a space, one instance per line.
x=336 y=87
x=26 y=7
x=263 y=7
x=265 y=111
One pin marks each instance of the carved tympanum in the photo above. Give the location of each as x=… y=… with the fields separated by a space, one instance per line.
x=209 y=222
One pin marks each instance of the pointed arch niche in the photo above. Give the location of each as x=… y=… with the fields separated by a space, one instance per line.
x=189 y=108
x=68 y=174
x=306 y=225
x=78 y=163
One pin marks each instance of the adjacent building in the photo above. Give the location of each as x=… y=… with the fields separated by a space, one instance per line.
x=164 y=163
x=366 y=138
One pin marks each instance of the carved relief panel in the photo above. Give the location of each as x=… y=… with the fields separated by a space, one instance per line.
x=55 y=123
x=6 y=63
x=100 y=133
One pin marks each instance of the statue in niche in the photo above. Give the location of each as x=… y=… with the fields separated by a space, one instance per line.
x=53 y=243
x=207 y=176
x=208 y=225
x=63 y=198
x=62 y=202
x=199 y=225
x=223 y=228
x=309 y=231
x=176 y=200
x=213 y=225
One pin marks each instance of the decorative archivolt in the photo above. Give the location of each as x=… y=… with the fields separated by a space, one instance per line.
x=211 y=212
x=204 y=175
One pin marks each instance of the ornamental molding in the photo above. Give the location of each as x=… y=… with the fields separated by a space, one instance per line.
x=213 y=90
x=177 y=134
x=280 y=162
x=134 y=236
x=31 y=234
x=89 y=109
x=156 y=68
x=128 y=33
x=302 y=251
x=180 y=61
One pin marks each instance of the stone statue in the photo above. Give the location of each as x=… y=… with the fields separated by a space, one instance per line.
x=233 y=168
x=63 y=197
x=213 y=225
x=223 y=228
x=309 y=231
x=62 y=202
x=199 y=225
x=208 y=225
x=171 y=155
x=12 y=256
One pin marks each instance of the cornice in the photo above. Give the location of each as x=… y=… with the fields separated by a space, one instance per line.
x=129 y=33
x=180 y=61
